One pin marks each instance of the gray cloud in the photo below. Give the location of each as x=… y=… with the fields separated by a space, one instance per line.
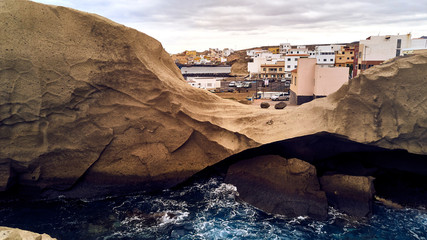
x=258 y=19
x=246 y=15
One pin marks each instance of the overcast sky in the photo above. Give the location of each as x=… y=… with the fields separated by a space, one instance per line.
x=202 y=24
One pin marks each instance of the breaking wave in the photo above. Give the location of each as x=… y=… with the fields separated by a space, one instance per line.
x=208 y=210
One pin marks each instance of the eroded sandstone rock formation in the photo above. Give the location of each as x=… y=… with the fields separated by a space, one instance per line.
x=86 y=102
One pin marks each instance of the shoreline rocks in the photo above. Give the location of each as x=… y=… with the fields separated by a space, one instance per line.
x=18 y=234
x=277 y=185
x=350 y=194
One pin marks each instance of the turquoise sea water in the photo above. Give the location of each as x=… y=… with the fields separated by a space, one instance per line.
x=204 y=210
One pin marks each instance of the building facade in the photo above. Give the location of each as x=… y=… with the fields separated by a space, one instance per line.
x=311 y=80
x=325 y=55
x=272 y=71
x=345 y=56
x=377 y=49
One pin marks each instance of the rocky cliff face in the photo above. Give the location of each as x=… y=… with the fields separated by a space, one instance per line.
x=84 y=96
x=88 y=102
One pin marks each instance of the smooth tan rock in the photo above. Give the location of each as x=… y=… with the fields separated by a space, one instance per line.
x=82 y=96
x=280 y=186
x=18 y=234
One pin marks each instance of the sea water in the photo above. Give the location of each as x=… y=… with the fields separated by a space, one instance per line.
x=204 y=210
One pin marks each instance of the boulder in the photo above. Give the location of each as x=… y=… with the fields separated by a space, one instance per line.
x=279 y=186
x=18 y=234
x=351 y=194
x=280 y=105
x=265 y=105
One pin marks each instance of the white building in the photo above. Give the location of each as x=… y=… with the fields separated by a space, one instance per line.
x=381 y=48
x=284 y=48
x=205 y=82
x=325 y=55
x=227 y=52
x=299 y=49
x=262 y=58
x=253 y=52
x=417 y=44
x=291 y=63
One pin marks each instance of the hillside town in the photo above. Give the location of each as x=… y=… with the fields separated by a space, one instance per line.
x=302 y=72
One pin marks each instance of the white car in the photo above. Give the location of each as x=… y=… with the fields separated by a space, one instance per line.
x=280 y=97
x=232 y=84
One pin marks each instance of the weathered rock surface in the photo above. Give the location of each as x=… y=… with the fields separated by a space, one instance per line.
x=18 y=234
x=351 y=194
x=5 y=174
x=280 y=186
x=86 y=101
x=280 y=105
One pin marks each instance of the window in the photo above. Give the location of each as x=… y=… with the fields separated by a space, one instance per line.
x=352 y=57
x=324 y=59
x=348 y=58
x=289 y=66
x=397 y=52
x=399 y=43
x=296 y=59
x=351 y=52
x=339 y=58
x=343 y=52
x=332 y=60
x=209 y=84
x=297 y=51
x=280 y=69
x=265 y=69
x=289 y=59
x=296 y=66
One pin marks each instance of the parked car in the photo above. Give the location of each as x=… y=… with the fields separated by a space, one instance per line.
x=247 y=84
x=239 y=84
x=280 y=97
x=232 y=84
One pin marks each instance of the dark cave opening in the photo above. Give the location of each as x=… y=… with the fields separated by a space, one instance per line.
x=400 y=176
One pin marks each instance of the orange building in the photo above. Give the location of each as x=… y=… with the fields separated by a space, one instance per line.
x=274 y=50
x=272 y=71
x=345 y=57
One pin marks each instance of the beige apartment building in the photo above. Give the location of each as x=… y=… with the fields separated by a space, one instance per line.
x=310 y=81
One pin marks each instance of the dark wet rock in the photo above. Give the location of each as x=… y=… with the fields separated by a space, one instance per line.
x=5 y=174
x=280 y=186
x=265 y=105
x=350 y=194
x=280 y=105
